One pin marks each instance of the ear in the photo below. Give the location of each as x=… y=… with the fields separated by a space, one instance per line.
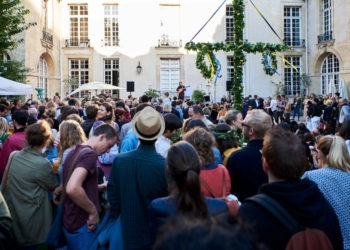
x=265 y=165
x=102 y=137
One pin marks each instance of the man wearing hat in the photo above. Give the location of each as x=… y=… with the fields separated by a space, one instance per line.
x=137 y=178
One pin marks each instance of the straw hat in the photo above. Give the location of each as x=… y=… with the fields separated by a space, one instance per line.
x=148 y=124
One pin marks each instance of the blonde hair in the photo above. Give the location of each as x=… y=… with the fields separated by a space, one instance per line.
x=71 y=134
x=3 y=126
x=74 y=117
x=167 y=108
x=51 y=104
x=259 y=121
x=335 y=151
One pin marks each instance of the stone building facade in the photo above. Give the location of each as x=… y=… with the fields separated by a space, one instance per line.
x=106 y=40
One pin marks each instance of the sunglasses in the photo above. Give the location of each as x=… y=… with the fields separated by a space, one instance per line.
x=245 y=125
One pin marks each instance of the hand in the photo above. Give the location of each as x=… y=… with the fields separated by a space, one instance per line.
x=93 y=220
x=56 y=143
x=102 y=187
x=56 y=198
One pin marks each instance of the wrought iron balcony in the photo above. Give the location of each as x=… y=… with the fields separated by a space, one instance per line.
x=166 y=42
x=47 y=37
x=294 y=42
x=325 y=37
x=77 y=43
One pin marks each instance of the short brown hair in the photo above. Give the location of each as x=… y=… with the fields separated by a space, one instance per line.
x=279 y=145
x=107 y=130
x=91 y=111
x=38 y=134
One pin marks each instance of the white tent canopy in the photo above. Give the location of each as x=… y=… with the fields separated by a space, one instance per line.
x=342 y=89
x=94 y=86
x=9 y=87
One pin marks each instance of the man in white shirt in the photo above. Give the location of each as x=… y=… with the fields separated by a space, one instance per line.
x=172 y=124
x=273 y=107
x=197 y=112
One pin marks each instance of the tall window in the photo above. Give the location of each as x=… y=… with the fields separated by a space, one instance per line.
x=291 y=76
x=229 y=24
x=43 y=74
x=229 y=68
x=111 y=72
x=292 y=26
x=327 y=17
x=169 y=75
x=111 y=28
x=79 y=70
x=79 y=28
x=330 y=74
x=4 y=57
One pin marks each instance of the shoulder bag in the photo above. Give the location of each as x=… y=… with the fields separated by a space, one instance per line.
x=55 y=237
x=7 y=171
x=233 y=205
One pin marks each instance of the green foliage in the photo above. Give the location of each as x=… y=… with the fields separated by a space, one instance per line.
x=198 y=95
x=176 y=136
x=238 y=47
x=152 y=93
x=12 y=20
x=13 y=70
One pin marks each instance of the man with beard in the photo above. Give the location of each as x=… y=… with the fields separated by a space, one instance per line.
x=245 y=166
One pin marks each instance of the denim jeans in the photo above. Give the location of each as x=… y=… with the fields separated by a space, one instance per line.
x=296 y=111
x=80 y=239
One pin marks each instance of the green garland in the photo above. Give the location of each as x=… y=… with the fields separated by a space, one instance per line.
x=238 y=47
x=228 y=135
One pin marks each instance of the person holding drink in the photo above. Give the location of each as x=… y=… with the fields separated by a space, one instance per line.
x=27 y=181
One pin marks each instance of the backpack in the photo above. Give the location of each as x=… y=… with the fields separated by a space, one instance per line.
x=232 y=204
x=303 y=238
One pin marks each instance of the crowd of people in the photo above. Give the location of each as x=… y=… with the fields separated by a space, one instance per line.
x=165 y=173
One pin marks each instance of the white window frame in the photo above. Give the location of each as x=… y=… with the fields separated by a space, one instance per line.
x=229 y=68
x=109 y=66
x=330 y=71
x=291 y=76
x=111 y=25
x=327 y=16
x=172 y=70
x=79 y=34
x=229 y=32
x=292 y=26
x=43 y=74
x=4 y=56
x=79 y=69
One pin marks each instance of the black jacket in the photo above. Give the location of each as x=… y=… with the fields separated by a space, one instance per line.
x=306 y=204
x=246 y=172
x=87 y=125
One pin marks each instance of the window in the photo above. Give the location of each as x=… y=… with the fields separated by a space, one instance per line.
x=4 y=57
x=79 y=70
x=43 y=74
x=229 y=24
x=327 y=17
x=111 y=28
x=291 y=76
x=79 y=28
x=292 y=26
x=111 y=73
x=169 y=75
x=229 y=68
x=330 y=74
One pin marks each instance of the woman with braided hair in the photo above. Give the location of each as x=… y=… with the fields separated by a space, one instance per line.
x=183 y=165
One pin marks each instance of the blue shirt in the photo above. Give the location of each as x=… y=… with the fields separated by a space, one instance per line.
x=130 y=142
x=334 y=184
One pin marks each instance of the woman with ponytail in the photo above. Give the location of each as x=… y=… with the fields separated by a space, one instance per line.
x=333 y=179
x=183 y=168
